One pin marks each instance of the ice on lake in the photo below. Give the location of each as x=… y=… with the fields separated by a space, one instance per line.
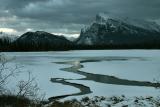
x=91 y=72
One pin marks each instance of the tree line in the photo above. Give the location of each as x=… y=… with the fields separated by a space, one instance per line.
x=7 y=45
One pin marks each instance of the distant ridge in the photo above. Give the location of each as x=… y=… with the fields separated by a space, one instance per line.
x=41 y=41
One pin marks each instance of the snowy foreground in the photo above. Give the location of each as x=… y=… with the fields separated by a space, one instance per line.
x=116 y=101
x=76 y=74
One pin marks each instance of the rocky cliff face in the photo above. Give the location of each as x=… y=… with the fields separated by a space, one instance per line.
x=107 y=30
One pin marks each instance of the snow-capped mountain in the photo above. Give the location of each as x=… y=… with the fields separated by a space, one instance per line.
x=5 y=36
x=148 y=25
x=106 y=30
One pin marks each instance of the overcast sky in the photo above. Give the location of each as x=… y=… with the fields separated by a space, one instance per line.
x=68 y=16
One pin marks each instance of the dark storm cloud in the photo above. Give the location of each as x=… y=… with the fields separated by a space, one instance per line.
x=68 y=16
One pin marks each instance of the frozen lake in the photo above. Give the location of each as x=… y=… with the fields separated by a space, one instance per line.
x=73 y=74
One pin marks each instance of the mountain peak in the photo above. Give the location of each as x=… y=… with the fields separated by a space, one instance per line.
x=40 y=32
x=41 y=40
x=103 y=18
x=111 y=29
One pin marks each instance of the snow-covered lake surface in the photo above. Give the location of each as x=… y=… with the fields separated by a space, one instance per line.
x=91 y=72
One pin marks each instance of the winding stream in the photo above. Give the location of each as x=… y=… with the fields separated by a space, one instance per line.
x=78 y=64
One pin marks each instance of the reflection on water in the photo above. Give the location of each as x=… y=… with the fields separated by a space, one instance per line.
x=77 y=65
